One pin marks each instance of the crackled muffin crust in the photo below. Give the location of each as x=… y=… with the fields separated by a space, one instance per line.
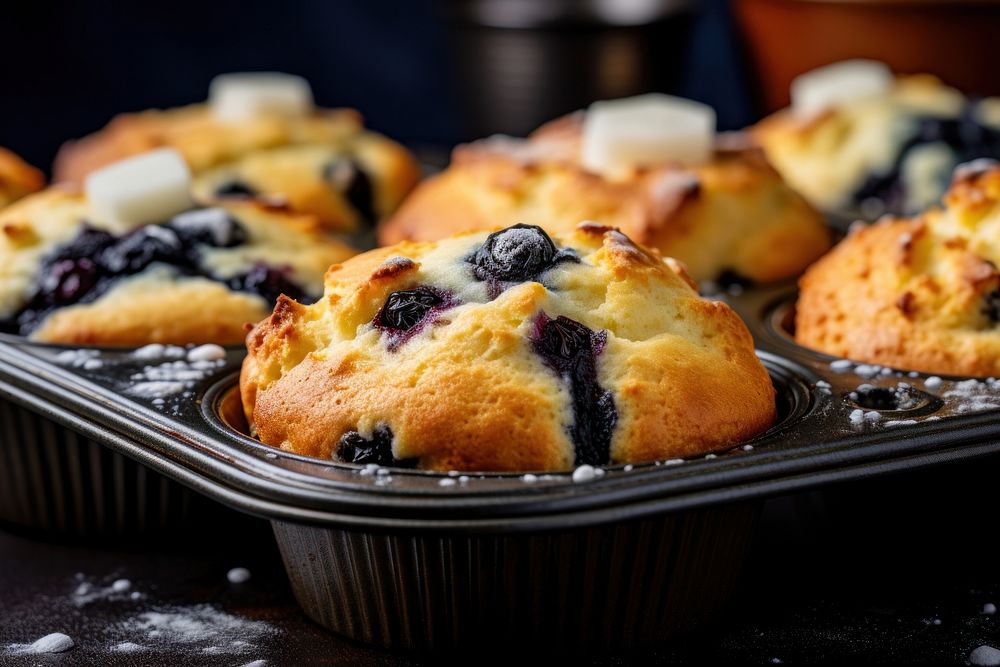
x=920 y=293
x=730 y=217
x=68 y=276
x=892 y=153
x=508 y=351
x=17 y=178
x=324 y=163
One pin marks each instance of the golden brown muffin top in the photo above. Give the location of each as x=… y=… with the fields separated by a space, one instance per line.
x=920 y=293
x=509 y=351
x=732 y=214
x=17 y=178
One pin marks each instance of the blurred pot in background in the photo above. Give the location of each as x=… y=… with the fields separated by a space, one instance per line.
x=952 y=40
x=523 y=62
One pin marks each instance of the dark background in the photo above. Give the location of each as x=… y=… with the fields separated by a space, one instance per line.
x=423 y=71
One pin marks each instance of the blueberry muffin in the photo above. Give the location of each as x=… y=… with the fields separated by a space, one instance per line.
x=888 y=148
x=505 y=351
x=17 y=178
x=920 y=293
x=319 y=161
x=71 y=275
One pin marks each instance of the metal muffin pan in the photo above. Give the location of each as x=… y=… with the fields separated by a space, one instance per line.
x=419 y=560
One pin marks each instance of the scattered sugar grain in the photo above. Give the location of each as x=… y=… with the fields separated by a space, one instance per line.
x=841 y=365
x=873 y=416
x=127 y=647
x=892 y=423
x=446 y=481
x=238 y=575
x=584 y=473
x=709 y=457
x=989 y=609
x=255 y=663
x=628 y=468
x=121 y=585
x=369 y=469
x=382 y=472
x=747 y=448
x=463 y=479
x=528 y=478
x=673 y=462
x=857 y=417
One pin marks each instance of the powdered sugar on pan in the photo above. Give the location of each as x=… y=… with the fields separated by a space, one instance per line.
x=127 y=647
x=171 y=378
x=86 y=359
x=56 y=642
x=975 y=395
x=89 y=591
x=203 y=626
x=238 y=575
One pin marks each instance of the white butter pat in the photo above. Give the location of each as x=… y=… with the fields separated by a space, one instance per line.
x=240 y=97
x=620 y=135
x=148 y=188
x=837 y=84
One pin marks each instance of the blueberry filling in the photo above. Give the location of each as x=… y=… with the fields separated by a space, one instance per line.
x=571 y=350
x=235 y=189
x=965 y=136
x=992 y=306
x=348 y=178
x=517 y=254
x=406 y=312
x=354 y=448
x=86 y=267
x=269 y=282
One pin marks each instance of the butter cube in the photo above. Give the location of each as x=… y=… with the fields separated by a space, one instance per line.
x=620 y=135
x=838 y=84
x=243 y=96
x=148 y=188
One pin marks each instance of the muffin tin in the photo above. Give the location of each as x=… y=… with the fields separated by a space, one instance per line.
x=420 y=560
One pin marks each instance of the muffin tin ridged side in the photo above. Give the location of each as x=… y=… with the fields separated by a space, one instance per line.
x=56 y=481
x=606 y=587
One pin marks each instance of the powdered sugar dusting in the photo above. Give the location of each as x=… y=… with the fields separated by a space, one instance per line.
x=56 y=642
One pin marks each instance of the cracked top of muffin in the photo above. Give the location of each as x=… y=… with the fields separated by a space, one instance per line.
x=509 y=351
x=17 y=178
x=260 y=135
x=722 y=209
x=920 y=294
x=71 y=275
x=888 y=147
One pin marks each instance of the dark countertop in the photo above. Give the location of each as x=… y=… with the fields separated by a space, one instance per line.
x=889 y=571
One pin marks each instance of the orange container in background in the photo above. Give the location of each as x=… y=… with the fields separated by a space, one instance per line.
x=956 y=40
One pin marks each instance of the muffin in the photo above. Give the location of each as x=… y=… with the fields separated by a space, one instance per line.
x=920 y=294
x=505 y=351
x=17 y=178
x=260 y=135
x=726 y=214
x=859 y=141
x=135 y=260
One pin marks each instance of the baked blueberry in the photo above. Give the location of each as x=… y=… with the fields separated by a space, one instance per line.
x=517 y=254
x=405 y=309
x=269 y=282
x=209 y=226
x=347 y=177
x=136 y=250
x=354 y=448
x=571 y=350
x=235 y=189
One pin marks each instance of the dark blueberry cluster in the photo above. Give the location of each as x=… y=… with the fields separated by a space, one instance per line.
x=992 y=306
x=348 y=178
x=571 y=350
x=965 y=136
x=235 y=189
x=269 y=282
x=406 y=312
x=406 y=309
x=84 y=268
x=354 y=448
x=517 y=254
